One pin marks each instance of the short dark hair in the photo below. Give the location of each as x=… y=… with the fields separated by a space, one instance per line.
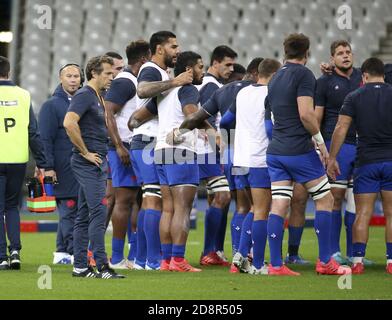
x=160 y=38
x=221 y=52
x=5 y=67
x=184 y=60
x=96 y=64
x=338 y=43
x=268 y=67
x=137 y=50
x=253 y=66
x=296 y=45
x=114 y=55
x=373 y=66
x=239 y=68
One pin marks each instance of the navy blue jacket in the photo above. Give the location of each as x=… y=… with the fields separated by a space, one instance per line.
x=388 y=73
x=58 y=147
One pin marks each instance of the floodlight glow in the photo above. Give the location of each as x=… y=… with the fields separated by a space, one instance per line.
x=6 y=37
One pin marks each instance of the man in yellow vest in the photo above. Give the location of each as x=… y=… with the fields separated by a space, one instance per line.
x=18 y=132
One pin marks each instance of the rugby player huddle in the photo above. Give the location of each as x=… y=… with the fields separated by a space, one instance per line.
x=266 y=137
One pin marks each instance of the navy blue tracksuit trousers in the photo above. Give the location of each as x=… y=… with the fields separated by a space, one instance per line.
x=91 y=216
x=67 y=209
x=11 y=182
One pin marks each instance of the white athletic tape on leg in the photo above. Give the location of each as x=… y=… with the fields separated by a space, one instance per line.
x=321 y=190
x=218 y=185
x=282 y=192
x=341 y=184
x=152 y=190
x=350 y=201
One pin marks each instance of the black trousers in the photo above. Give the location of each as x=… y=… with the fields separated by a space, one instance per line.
x=11 y=182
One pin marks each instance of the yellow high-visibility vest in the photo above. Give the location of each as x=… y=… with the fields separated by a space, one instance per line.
x=14 y=125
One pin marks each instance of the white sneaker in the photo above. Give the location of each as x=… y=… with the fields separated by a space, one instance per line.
x=221 y=255
x=241 y=263
x=62 y=258
x=262 y=271
x=237 y=260
x=138 y=267
x=153 y=268
x=122 y=265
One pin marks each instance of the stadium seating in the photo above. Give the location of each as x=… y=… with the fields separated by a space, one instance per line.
x=84 y=28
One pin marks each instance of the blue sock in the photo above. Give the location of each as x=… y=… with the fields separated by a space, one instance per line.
x=349 y=219
x=129 y=231
x=117 y=250
x=167 y=250
x=211 y=227
x=178 y=251
x=232 y=230
x=141 y=254
x=151 y=229
x=389 y=251
x=322 y=225
x=275 y=238
x=359 y=249
x=133 y=249
x=220 y=238
x=236 y=227
x=259 y=236
x=336 y=226
x=246 y=235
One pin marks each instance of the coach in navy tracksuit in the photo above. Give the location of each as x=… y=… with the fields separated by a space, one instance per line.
x=58 y=149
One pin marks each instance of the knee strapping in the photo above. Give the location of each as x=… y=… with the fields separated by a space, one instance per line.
x=152 y=190
x=350 y=205
x=282 y=192
x=219 y=184
x=341 y=184
x=321 y=190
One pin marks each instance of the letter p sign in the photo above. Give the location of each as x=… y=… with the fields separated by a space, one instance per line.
x=9 y=123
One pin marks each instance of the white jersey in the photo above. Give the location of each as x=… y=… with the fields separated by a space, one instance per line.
x=126 y=112
x=251 y=140
x=150 y=128
x=171 y=116
x=204 y=147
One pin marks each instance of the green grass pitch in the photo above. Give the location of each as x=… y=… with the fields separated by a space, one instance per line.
x=214 y=283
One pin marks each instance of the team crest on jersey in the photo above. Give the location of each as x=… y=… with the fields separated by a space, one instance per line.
x=337 y=88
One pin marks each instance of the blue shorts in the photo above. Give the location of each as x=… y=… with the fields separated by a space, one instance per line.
x=144 y=166
x=241 y=183
x=178 y=174
x=162 y=175
x=257 y=177
x=228 y=156
x=373 y=178
x=346 y=160
x=209 y=168
x=122 y=176
x=302 y=168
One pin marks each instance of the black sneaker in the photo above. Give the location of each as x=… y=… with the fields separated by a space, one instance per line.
x=88 y=273
x=107 y=273
x=15 y=260
x=4 y=264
